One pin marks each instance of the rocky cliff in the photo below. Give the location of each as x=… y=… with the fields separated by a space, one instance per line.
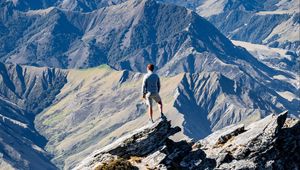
x=270 y=143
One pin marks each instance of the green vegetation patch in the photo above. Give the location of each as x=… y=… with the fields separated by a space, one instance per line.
x=57 y=116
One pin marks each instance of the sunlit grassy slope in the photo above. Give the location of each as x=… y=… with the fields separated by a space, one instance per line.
x=96 y=106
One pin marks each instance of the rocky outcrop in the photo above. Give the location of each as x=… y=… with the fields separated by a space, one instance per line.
x=145 y=142
x=259 y=145
x=270 y=143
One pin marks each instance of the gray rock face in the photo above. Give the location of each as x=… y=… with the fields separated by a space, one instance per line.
x=270 y=143
x=143 y=143
x=258 y=146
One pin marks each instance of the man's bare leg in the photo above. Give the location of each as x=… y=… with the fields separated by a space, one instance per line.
x=161 y=110
x=151 y=113
x=160 y=106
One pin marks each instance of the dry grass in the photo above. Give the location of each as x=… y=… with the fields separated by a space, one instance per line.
x=136 y=159
x=117 y=164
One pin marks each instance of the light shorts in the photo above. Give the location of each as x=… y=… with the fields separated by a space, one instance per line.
x=152 y=96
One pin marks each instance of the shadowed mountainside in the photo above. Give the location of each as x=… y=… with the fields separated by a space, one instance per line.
x=24 y=92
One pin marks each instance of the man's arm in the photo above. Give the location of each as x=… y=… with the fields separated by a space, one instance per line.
x=144 y=86
x=158 y=84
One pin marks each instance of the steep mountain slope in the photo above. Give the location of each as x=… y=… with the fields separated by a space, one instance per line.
x=279 y=59
x=274 y=57
x=173 y=38
x=21 y=147
x=274 y=23
x=25 y=5
x=190 y=4
x=24 y=92
x=71 y=39
x=86 y=6
x=124 y=36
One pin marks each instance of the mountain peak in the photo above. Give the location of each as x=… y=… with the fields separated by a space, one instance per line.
x=139 y=143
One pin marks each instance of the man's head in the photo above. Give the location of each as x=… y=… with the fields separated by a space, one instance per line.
x=150 y=67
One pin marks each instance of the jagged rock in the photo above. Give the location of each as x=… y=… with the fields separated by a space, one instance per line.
x=270 y=143
x=139 y=143
x=154 y=159
x=143 y=142
x=259 y=145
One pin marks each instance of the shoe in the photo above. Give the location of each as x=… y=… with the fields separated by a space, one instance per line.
x=151 y=120
x=163 y=116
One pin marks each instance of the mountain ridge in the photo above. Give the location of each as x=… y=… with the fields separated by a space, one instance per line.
x=24 y=92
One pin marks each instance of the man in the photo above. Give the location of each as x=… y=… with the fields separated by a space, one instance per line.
x=150 y=90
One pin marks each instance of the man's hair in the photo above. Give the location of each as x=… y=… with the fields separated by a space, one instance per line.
x=150 y=67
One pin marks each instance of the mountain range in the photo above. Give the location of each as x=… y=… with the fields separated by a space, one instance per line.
x=71 y=73
x=274 y=22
